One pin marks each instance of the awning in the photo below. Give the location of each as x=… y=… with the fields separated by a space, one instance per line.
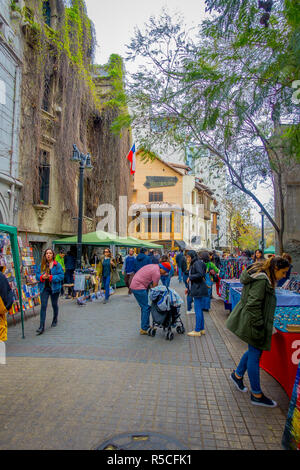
x=101 y=238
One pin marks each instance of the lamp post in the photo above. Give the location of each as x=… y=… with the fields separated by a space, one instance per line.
x=84 y=162
x=262 y=231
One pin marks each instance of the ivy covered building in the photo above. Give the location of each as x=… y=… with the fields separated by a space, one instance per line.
x=63 y=104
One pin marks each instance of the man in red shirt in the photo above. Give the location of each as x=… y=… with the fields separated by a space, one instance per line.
x=146 y=277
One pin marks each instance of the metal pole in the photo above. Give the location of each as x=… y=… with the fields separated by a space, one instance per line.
x=80 y=209
x=262 y=232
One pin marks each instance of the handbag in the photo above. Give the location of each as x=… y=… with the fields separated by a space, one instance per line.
x=213 y=275
x=3 y=309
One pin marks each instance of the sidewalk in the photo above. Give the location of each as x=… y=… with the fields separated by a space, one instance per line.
x=94 y=376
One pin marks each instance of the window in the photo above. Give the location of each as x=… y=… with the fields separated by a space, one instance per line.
x=44 y=177
x=155 y=197
x=177 y=222
x=47 y=13
x=166 y=222
x=48 y=81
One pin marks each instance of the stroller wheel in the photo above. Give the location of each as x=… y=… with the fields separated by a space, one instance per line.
x=152 y=331
x=180 y=330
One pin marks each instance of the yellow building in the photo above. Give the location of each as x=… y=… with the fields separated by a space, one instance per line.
x=163 y=202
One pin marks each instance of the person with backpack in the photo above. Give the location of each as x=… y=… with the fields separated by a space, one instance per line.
x=141 y=260
x=252 y=321
x=185 y=275
x=198 y=290
x=211 y=276
x=128 y=268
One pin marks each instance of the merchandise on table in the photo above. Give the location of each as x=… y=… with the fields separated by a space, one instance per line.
x=291 y=435
x=287 y=309
x=292 y=285
x=232 y=268
x=225 y=291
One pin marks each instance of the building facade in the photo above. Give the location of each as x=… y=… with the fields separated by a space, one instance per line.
x=10 y=109
x=61 y=106
x=169 y=206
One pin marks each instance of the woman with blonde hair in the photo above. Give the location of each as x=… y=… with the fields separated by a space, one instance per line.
x=50 y=276
x=252 y=321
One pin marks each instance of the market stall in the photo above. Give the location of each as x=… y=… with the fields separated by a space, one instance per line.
x=11 y=261
x=226 y=291
x=103 y=239
x=291 y=435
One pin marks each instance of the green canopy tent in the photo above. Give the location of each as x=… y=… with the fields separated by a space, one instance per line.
x=270 y=250
x=13 y=234
x=101 y=238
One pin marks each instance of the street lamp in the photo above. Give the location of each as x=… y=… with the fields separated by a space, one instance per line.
x=84 y=162
x=262 y=231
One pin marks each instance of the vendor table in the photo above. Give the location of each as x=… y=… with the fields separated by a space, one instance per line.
x=226 y=286
x=282 y=360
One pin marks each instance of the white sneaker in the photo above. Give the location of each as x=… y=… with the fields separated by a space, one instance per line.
x=190 y=312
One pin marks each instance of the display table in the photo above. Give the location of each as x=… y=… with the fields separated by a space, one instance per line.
x=283 y=358
x=226 y=286
x=291 y=435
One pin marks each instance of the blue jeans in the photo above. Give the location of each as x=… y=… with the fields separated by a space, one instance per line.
x=44 y=302
x=189 y=299
x=142 y=299
x=250 y=362
x=106 y=284
x=180 y=274
x=198 y=303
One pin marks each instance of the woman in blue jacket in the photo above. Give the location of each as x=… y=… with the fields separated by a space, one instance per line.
x=50 y=276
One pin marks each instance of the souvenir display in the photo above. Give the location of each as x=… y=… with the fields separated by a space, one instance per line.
x=291 y=435
x=30 y=291
x=232 y=268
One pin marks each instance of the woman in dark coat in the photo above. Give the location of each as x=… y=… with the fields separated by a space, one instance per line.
x=252 y=321
x=197 y=289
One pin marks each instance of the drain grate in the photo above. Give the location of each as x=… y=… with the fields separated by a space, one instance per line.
x=142 y=441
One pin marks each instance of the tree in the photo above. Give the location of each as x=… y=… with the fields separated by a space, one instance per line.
x=220 y=92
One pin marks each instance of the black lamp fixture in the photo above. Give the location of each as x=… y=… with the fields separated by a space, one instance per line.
x=85 y=162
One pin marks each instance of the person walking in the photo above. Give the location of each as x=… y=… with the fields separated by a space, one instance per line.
x=252 y=321
x=128 y=268
x=179 y=258
x=105 y=269
x=198 y=290
x=258 y=256
x=210 y=276
x=60 y=258
x=6 y=301
x=288 y=274
x=141 y=260
x=70 y=264
x=50 y=276
x=146 y=277
x=185 y=275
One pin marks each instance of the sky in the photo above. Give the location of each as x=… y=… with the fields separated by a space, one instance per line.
x=115 y=21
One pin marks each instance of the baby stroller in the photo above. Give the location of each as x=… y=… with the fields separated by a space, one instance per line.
x=165 y=311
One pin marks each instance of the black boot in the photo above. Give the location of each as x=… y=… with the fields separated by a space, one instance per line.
x=40 y=331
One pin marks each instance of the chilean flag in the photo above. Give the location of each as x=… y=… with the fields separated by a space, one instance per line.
x=131 y=158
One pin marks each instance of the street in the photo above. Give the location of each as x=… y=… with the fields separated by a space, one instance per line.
x=93 y=377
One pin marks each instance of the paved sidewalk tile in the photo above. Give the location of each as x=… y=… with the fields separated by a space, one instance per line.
x=94 y=376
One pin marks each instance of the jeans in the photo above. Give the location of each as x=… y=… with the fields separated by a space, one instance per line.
x=44 y=302
x=198 y=303
x=142 y=299
x=207 y=300
x=250 y=362
x=106 y=284
x=180 y=274
x=189 y=299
